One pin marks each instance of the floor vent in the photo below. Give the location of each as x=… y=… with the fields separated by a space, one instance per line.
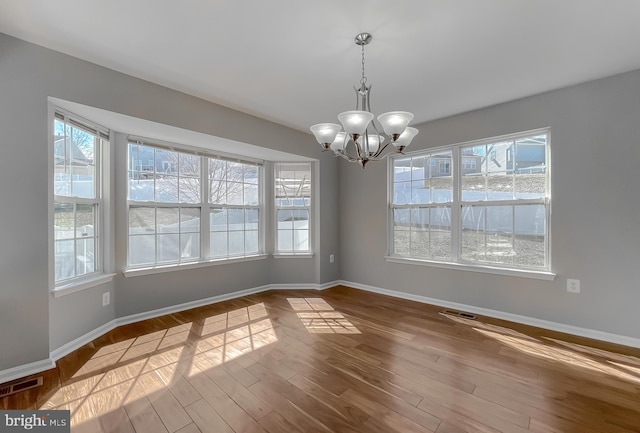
x=21 y=385
x=463 y=314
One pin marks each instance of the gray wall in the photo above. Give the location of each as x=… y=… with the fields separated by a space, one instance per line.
x=595 y=155
x=32 y=322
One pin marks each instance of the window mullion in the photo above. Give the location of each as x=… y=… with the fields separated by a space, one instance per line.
x=456 y=209
x=205 y=210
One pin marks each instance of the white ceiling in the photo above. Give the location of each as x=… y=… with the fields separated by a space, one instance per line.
x=294 y=62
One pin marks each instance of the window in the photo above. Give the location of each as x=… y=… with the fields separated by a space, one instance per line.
x=492 y=210
x=234 y=208
x=293 y=207
x=77 y=189
x=186 y=208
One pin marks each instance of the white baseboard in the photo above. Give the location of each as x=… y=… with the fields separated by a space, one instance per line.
x=525 y=320
x=26 y=370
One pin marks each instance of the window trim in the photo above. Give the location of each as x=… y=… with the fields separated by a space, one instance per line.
x=104 y=250
x=456 y=205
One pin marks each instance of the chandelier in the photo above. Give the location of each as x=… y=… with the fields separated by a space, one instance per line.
x=361 y=140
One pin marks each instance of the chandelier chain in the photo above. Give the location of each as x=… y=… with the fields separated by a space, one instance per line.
x=363 y=80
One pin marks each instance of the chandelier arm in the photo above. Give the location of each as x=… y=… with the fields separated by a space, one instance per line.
x=380 y=150
x=346 y=157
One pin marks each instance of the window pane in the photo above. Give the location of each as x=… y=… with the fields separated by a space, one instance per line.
x=190 y=220
x=251 y=219
x=529 y=164
x=142 y=250
x=301 y=219
x=401 y=232
x=236 y=243
x=285 y=240
x=218 y=220
x=166 y=189
x=530 y=235
x=500 y=182
x=63 y=221
x=488 y=234
x=235 y=193
x=168 y=248
x=141 y=190
x=473 y=239
x=402 y=193
x=85 y=220
x=217 y=169
x=142 y=220
x=293 y=184
x=85 y=256
x=301 y=240
x=217 y=191
x=64 y=259
x=251 y=243
x=440 y=232
x=218 y=244
x=285 y=219
x=236 y=219
x=74 y=161
x=190 y=246
x=420 y=242
x=499 y=234
x=251 y=174
x=473 y=170
x=168 y=220
x=189 y=189
x=251 y=194
x=189 y=165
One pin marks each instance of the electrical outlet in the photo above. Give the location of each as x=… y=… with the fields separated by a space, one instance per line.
x=331 y=258
x=573 y=286
x=106 y=298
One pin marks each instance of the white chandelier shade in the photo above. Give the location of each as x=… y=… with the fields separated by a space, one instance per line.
x=405 y=138
x=360 y=130
x=325 y=133
x=394 y=123
x=355 y=122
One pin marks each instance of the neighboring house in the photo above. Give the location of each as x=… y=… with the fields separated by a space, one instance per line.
x=71 y=160
x=145 y=160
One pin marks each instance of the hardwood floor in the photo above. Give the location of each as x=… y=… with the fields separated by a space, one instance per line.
x=340 y=360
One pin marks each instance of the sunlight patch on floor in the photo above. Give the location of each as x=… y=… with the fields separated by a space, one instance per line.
x=124 y=372
x=565 y=356
x=318 y=317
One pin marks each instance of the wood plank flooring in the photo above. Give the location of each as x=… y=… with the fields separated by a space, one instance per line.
x=339 y=360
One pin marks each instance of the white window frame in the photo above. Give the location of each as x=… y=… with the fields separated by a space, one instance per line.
x=309 y=208
x=103 y=246
x=204 y=207
x=456 y=205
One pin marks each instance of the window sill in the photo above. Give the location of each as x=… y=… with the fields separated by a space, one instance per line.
x=81 y=284
x=293 y=256
x=134 y=272
x=538 y=275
